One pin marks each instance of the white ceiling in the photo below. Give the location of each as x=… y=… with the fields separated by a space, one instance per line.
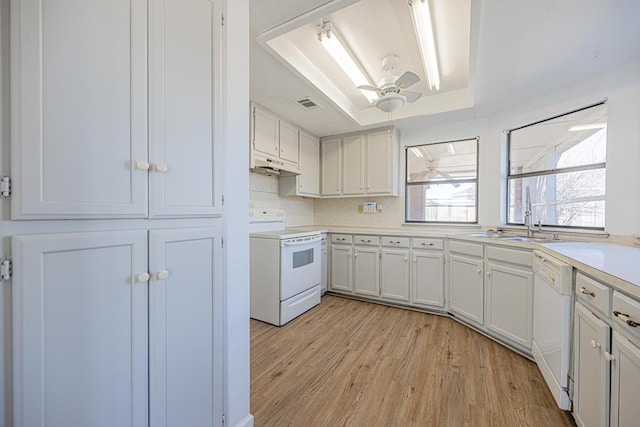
x=518 y=50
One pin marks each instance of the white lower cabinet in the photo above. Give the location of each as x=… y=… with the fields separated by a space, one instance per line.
x=394 y=274
x=625 y=382
x=591 y=369
x=509 y=303
x=341 y=268
x=466 y=288
x=427 y=279
x=366 y=271
x=129 y=342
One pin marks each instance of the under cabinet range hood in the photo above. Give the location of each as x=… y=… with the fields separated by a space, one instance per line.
x=269 y=166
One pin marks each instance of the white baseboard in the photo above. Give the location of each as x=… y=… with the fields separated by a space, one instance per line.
x=246 y=422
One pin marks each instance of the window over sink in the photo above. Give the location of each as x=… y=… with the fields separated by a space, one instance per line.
x=557 y=170
x=442 y=182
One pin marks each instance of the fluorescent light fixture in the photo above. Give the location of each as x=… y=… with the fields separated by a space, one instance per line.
x=590 y=126
x=333 y=42
x=426 y=40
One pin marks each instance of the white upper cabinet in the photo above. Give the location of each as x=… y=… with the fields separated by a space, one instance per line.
x=308 y=182
x=81 y=109
x=273 y=141
x=184 y=107
x=330 y=162
x=353 y=164
x=366 y=164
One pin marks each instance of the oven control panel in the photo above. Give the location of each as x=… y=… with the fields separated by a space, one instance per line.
x=266 y=215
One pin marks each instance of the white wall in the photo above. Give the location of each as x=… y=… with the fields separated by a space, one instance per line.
x=263 y=193
x=237 y=384
x=622 y=89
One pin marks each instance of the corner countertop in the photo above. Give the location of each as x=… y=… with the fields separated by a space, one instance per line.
x=618 y=265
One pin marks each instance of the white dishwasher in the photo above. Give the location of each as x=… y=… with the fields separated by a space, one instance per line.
x=552 y=317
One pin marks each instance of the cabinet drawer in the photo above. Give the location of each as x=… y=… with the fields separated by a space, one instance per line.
x=367 y=240
x=473 y=249
x=428 y=244
x=511 y=256
x=626 y=314
x=594 y=293
x=397 y=242
x=342 y=238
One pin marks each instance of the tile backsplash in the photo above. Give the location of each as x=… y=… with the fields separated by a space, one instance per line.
x=264 y=194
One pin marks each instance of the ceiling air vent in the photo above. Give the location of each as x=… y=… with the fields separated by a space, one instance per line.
x=307 y=103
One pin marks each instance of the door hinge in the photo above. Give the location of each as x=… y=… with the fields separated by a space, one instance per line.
x=5 y=187
x=5 y=269
x=222 y=20
x=222 y=240
x=223 y=200
x=224 y=419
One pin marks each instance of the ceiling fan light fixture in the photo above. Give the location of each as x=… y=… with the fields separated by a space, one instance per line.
x=390 y=102
x=339 y=51
x=421 y=16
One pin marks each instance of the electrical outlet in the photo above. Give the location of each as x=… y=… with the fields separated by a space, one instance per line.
x=360 y=209
x=379 y=207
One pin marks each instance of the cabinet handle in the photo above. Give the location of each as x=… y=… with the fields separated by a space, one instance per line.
x=585 y=291
x=488 y=273
x=405 y=259
x=161 y=167
x=609 y=357
x=361 y=187
x=478 y=271
x=552 y=277
x=162 y=275
x=142 y=165
x=415 y=260
x=355 y=254
x=428 y=244
x=348 y=253
x=595 y=344
x=143 y=277
x=626 y=319
x=300 y=185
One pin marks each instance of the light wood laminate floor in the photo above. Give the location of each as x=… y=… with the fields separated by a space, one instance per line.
x=352 y=363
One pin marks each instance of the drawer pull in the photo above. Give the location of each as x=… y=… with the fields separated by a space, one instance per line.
x=609 y=357
x=365 y=241
x=428 y=244
x=626 y=319
x=585 y=291
x=595 y=344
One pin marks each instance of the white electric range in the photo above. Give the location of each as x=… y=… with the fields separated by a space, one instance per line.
x=285 y=268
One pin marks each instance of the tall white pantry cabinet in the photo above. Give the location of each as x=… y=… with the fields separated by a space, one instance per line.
x=116 y=113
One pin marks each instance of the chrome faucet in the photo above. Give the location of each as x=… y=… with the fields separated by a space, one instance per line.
x=528 y=214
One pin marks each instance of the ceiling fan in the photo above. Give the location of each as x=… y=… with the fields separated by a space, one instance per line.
x=391 y=88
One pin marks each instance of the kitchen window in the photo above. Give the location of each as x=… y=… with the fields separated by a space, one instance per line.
x=557 y=170
x=442 y=182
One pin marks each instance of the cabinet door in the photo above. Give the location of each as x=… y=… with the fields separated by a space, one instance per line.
x=366 y=271
x=427 y=279
x=509 y=303
x=309 y=179
x=590 y=369
x=341 y=269
x=379 y=161
x=79 y=109
x=466 y=288
x=625 y=382
x=185 y=333
x=395 y=274
x=80 y=329
x=184 y=108
x=353 y=164
x=289 y=140
x=266 y=132
x=330 y=161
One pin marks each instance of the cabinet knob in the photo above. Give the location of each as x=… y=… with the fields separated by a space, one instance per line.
x=355 y=254
x=368 y=187
x=595 y=344
x=552 y=276
x=162 y=275
x=478 y=271
x=415 y=260
x=142 y=165
x=488 y=273
x=609 y=357
x=161 y=167
x=361 y=187
x=143 y=277
x=301 y=185
x=405 y=259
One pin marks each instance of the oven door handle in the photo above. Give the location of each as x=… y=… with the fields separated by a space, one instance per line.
x=303 y=242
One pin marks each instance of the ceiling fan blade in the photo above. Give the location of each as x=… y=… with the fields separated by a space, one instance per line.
x=367 y=87
x=407 y=80
x=412 y=96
